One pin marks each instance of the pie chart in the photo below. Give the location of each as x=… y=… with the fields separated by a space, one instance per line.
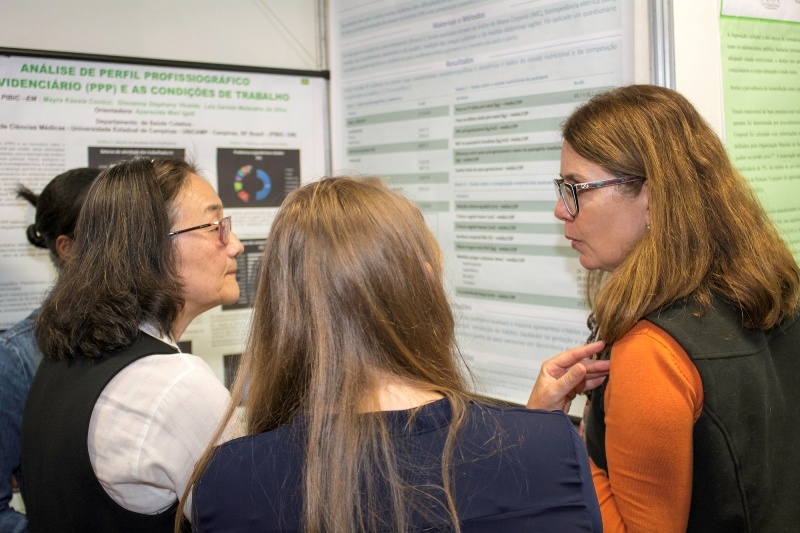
x=246 y=176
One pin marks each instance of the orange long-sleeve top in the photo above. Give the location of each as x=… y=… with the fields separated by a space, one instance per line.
x=653 y=398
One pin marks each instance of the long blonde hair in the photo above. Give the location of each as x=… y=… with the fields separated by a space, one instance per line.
x=349 y=290
x=708 y=232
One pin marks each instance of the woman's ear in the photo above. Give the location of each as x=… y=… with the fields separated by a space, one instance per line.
x=63 y=246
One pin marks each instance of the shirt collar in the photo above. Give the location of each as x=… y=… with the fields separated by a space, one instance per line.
x=151 y=330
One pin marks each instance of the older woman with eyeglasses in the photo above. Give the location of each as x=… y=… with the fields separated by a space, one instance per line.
x=116 y=416
x=696 y=296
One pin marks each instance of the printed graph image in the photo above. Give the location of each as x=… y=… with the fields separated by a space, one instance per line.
x=246 y=172
x=256 y=178
x=105 y=156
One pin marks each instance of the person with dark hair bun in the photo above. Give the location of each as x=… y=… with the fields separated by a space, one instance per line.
x=57 y=209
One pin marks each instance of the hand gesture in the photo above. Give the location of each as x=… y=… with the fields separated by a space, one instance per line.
x=566 y=375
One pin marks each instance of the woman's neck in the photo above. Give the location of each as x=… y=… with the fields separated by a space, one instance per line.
x=182 y=321
x=393 y=394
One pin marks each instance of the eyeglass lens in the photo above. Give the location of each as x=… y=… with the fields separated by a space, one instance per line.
x=571 y=199
x=225 y=229
x=567 y=195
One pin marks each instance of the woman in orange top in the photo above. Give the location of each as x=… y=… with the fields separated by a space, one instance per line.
x=697 y=297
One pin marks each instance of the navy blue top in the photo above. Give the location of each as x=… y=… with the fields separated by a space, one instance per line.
x=513 y=470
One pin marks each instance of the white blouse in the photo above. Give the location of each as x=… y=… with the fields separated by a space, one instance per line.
x=150 y=425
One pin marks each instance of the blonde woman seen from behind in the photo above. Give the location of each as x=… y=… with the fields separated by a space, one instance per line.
x=357 y=415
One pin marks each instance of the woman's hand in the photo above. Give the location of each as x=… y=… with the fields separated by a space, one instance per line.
x=566 y=375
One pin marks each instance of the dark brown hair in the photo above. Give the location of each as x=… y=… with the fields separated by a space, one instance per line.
x=57 y=207
x=121 y=271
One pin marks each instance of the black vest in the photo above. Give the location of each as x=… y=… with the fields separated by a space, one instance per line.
x=747 y=440
x=60 y=489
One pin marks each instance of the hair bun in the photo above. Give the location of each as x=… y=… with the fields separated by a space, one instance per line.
x=35 y=238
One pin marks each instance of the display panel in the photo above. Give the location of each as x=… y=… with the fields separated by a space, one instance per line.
x=761 y=90
x=255 y=135
x=459 y=104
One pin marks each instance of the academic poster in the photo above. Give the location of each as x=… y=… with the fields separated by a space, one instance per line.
x=255 y=136
x=761 y=92
x=459 y=105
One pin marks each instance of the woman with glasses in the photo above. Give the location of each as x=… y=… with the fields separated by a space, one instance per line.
x=116 y=416
x=357 y=414
x=696 y=296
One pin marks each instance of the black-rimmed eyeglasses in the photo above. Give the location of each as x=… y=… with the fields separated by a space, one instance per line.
x=568 y=192
x=224 y=229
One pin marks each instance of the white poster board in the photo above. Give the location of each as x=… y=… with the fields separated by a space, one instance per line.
x=459 y=104
x=254 y=135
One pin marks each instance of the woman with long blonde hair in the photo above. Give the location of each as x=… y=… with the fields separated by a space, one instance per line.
x=356 y=412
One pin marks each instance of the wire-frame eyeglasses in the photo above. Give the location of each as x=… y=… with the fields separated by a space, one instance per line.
x=224 y=229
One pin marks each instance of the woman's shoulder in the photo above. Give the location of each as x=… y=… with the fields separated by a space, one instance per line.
x=266 y=439
x=480 y=416
x=266 y=463
x=523 y=469
x=18 y=345
x=648 y=364
x=647 y=338
x=252 y=481
x=23 y=327
x=509 y=413
x=169 y=386
x=172 y=365
x=530 y=430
